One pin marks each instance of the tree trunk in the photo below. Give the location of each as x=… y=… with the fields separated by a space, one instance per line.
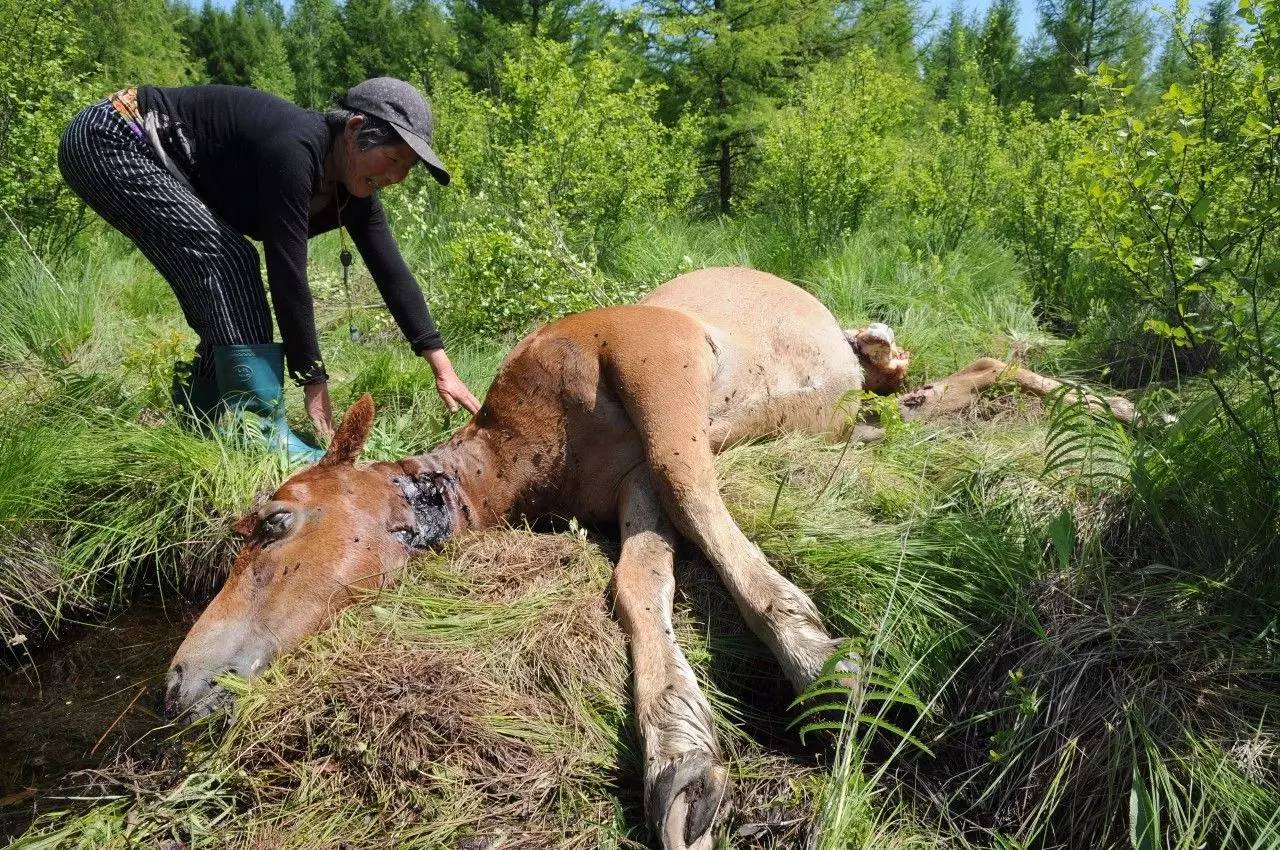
x=726 y=178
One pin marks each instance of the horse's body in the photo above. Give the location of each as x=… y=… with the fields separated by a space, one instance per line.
x=611 y=416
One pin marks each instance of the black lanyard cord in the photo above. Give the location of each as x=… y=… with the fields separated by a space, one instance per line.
x=344 y=256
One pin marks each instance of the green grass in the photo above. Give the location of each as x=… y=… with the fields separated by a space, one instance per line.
x=1072 y=629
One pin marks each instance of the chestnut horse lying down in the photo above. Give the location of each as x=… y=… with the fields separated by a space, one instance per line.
x=611 y=416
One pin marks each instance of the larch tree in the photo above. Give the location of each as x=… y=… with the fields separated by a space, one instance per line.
x=270 y=70
x=947 y=55
x=1217 y=30
x=316 y=41
x=490 y=30
x=1174 y=63
x=410 y=40
x=135 y=42
x=732 y=60
x=889 y=27
x=238 y=44
x=997 y=52
x=1081 y=36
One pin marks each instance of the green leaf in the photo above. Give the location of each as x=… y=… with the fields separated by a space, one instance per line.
x=1144 y=816
x=1062 y=534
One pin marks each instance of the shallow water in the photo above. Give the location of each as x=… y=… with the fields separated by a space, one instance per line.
x=78 y=703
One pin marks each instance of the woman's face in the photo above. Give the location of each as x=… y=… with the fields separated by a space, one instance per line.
x=365 y=172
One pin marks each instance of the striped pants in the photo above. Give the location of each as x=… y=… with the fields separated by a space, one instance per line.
x=213 y=269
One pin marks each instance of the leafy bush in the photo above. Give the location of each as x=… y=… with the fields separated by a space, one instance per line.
x=949 y=181
x=546 y=177
x=42 y=85
x=1184 y=203
x=826 y=159
x=1043 y=213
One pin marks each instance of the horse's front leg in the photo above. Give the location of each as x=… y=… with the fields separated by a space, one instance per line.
x=958 y=391
x=684 y=779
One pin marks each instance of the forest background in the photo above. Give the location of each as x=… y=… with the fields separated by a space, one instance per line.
x=1073 y=627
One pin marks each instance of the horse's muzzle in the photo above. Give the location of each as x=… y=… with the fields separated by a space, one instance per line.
x=193 y=696
x=192 y=690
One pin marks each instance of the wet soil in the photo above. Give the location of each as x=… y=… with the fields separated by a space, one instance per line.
x=80 y=702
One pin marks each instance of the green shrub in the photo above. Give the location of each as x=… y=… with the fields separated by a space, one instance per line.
x=949 y=181
x=1043 y=214
x=546 y=177
x=1183 y=206
x=826 y=158
x=42 y=85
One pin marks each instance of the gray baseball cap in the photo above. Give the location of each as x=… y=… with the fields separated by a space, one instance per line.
x=401 y=106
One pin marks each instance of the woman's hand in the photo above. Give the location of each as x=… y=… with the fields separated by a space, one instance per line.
x=453 y=392
x=316 y=401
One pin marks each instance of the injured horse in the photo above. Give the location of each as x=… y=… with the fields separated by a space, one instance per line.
x=614 y=417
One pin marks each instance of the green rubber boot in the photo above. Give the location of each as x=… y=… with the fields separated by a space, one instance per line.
x=195 y=394
x=251 y=377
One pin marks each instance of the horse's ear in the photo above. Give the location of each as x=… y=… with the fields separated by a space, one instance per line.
x=352 y=433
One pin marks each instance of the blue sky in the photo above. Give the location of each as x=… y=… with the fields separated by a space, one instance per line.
x=940 y=9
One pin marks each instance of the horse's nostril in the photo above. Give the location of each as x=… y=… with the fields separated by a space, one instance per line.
x=171 y=696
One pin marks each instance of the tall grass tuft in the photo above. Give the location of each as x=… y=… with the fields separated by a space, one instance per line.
x=1131 y=702
x=45 y=317
x=946 y=308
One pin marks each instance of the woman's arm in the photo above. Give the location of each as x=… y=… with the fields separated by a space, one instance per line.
x=283 y=221
x=372 y=236
x=451 y=388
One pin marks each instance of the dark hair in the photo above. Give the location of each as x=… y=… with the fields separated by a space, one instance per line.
x=373 y=133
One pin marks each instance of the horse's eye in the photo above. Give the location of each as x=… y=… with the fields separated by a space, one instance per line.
x=276 y=524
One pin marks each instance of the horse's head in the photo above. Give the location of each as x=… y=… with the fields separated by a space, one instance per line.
x=331 y=532
x=884 y=365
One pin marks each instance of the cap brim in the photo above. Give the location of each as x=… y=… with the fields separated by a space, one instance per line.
x=429 y=159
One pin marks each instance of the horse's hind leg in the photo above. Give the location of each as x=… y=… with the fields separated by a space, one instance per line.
x=684 y=779
x=670 y=412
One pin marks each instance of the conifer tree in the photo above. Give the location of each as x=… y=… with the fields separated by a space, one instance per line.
x=1174 y=63
x=270 y=69
x=316 y=43
x=1217 y=31
x=233 y=43
x=889 y=28
x=135 y=42
x=381 y=38
x=213 y=41
x=1080 y=36
x=489 y=30
x=948 y=55
x=373 y=45
x=731 y=59
x=997 y=51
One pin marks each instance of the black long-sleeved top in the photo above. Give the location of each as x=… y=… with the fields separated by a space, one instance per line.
x=257 y=161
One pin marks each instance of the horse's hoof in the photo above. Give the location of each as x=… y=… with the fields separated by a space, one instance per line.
x=1121 y=408
x=684 y=799
x=849 y=671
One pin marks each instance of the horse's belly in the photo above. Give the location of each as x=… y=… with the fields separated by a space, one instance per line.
x=782 y=360
x=752 y=400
